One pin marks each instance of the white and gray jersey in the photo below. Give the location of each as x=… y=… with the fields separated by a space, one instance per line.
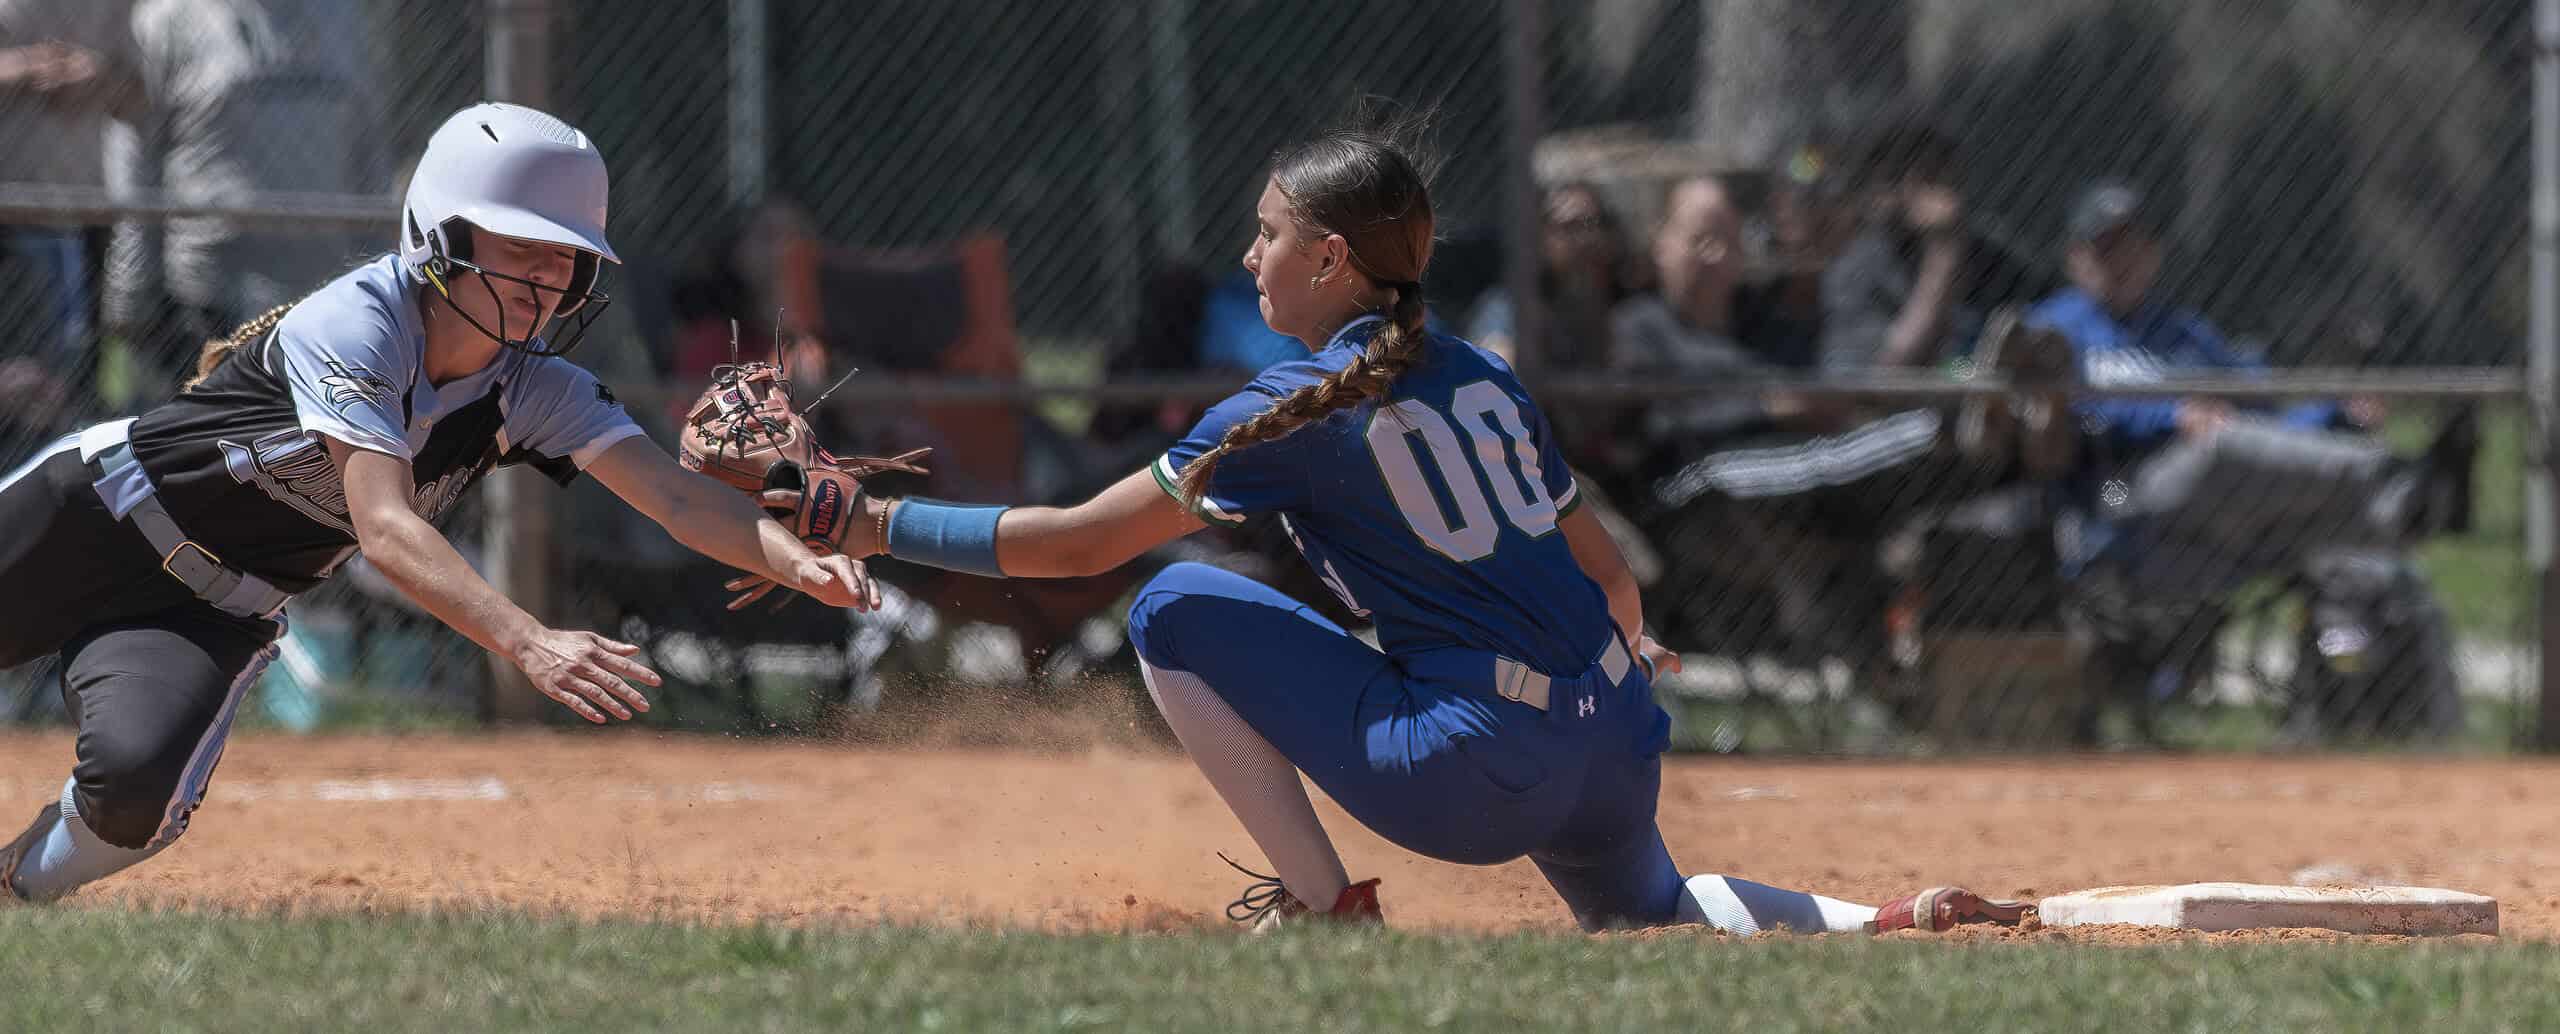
x=240 y=463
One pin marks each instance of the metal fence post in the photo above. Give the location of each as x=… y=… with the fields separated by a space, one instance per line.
x=748 y=93
x=518 y=551
x=1169 y=76
x=2542 y=374
x=1523 y=38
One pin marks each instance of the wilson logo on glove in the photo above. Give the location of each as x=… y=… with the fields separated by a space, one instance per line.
x=824 y=509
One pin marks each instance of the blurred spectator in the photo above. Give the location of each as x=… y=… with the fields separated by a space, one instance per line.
x=1912 y=288
x=1817 y=485
x=64 y=69
x=1582 y=274
x=1809 y=221
x=1811 y=217
x=1700 y=316
x=1706 y=319
x=2123 y=334
x=2191 y=493
x=240 y=97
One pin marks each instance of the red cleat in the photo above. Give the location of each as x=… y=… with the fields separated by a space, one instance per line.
x=1267 y=904
x=1943 y=908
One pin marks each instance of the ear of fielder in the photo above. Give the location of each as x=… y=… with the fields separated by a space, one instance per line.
x=157 y=553
x=1508 y=709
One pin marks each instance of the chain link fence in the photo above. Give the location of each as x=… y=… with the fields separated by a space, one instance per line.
x=1890 y=336
x=1917 y=194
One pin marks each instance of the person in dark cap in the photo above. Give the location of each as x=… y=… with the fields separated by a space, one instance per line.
x=2123 y=333
x=2183 y=497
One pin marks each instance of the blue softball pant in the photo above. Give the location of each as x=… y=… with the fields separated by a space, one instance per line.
x=1421 y=749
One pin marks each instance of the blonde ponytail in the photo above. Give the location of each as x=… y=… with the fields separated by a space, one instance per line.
x=219 y=349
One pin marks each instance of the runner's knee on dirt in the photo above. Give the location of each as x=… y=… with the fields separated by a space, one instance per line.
x=129 y=781
x=153 y=700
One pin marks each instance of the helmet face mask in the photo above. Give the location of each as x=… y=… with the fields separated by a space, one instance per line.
x=517 y=173
x=580 y=301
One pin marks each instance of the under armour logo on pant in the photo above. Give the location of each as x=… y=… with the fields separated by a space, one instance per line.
x=1585 y=707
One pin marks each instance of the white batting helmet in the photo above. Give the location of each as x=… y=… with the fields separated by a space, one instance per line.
x=515 y=172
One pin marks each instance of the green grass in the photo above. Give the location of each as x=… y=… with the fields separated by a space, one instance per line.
x=104 y=969
x=2491 y=725
x=2481 y=576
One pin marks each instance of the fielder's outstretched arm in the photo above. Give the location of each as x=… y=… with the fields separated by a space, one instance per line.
x=582 y=670
x=1131 y=517
x=717 y=522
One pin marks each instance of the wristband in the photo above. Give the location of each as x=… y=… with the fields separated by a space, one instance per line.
x=952 y=536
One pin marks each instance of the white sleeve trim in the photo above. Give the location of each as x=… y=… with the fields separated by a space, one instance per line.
x=1207 y=508
x=356 y=436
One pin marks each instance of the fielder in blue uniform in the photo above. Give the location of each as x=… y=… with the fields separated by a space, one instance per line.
x=1508 y=709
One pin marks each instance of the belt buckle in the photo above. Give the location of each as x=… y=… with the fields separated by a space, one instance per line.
x=1510 y=678
x=208 y=567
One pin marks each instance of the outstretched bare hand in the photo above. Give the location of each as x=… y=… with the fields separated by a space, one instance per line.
x=584 y=672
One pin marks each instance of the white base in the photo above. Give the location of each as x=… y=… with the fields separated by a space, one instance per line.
x=2412 y=911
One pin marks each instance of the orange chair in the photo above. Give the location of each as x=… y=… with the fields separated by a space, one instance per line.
x=945 y=312
x=942 y=312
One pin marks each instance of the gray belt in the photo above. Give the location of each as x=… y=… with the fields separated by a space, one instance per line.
x=233 y=592
x=1516 y=681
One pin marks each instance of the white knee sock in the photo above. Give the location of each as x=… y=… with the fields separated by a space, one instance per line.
x=1258 y=783
x=1740 y=906
x=70 y=855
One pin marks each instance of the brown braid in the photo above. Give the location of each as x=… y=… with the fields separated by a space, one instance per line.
x=219 y=349
x=1390 y=352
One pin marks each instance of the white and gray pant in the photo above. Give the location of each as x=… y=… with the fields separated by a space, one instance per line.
x=2252 y=497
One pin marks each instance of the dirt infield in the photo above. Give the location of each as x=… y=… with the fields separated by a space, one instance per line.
x=645 y=824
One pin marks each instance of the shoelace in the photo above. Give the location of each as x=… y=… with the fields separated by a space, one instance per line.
x=1265 y=894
